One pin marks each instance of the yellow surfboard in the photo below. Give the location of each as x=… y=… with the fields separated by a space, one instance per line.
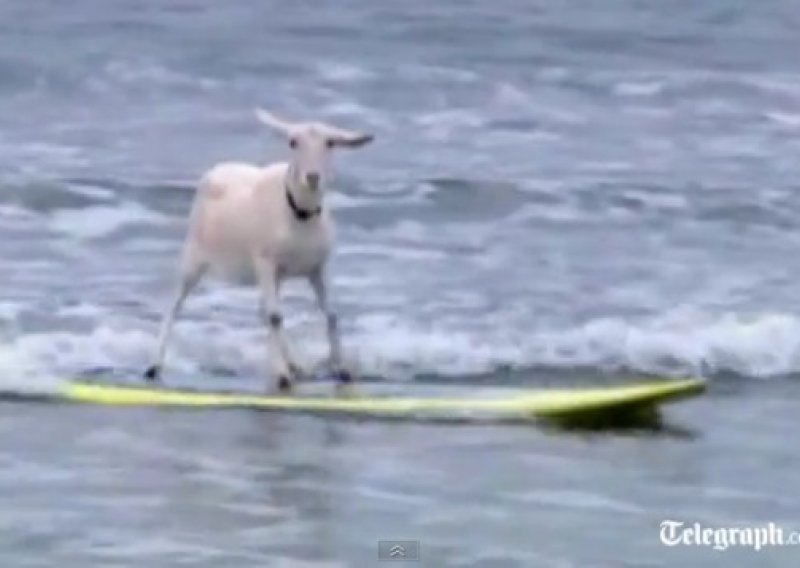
x=607 y=406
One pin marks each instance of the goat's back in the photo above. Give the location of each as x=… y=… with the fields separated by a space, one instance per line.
x=237 y=210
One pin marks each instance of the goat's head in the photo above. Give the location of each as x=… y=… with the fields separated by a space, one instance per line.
x=311 y=143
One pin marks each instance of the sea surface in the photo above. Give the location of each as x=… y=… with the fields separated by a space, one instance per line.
x=559 y=193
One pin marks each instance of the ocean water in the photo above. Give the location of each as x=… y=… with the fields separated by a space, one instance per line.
x=559 y=192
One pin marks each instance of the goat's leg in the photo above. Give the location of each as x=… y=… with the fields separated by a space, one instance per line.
x=189 y=278
x=319 y=284
x=295 y=370
x=269 y=281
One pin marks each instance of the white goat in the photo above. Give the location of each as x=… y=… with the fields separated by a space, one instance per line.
x=263 y=225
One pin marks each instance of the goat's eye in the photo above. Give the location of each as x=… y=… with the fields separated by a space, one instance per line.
x=293 y=143
x=329 y=143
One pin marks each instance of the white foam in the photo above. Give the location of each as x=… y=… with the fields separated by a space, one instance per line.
x=790 y=121
x=341 y=72
x=81 y=310
x=423 y=72
x=385 y=342
x=639 y=88
x=347 y=109
x=91 y=191
x=13 y=212
x=775 y=83
x=140 y=72
x=101 y=221
x=339 y=200
x=394 y=252
x=761 y=346
x=508 y=94
x=669 y=201
x=562 y=212
x=9 y=310
x=22 y=370
x=55 y=353
x=442 y=125
x=578 y=500
x=553 y=74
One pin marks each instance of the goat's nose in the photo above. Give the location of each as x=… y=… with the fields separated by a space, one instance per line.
x=313 y=180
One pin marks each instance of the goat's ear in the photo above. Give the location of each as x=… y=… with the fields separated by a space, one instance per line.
x=272 y=121
x=348 y=138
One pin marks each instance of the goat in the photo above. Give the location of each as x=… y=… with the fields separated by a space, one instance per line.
x=262 y=225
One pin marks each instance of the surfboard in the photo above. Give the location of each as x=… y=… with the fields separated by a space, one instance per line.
x=604 y=406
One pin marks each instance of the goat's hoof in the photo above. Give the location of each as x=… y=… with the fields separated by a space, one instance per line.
x=284 y=384
x=152 y=374
x=342 y=376
x=296 y=371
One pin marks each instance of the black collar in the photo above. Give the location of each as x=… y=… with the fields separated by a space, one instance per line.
x=301 y=214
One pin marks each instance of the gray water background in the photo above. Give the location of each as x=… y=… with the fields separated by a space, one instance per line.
x=559 y=192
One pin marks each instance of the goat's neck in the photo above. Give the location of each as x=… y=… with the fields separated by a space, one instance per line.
x=304 y=203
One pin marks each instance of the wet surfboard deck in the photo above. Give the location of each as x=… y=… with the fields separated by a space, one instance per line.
x=609 y=405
